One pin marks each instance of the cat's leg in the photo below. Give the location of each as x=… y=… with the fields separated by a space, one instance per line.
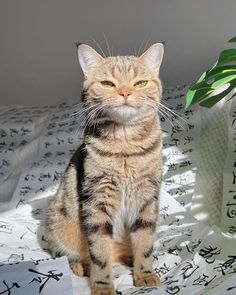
x=64 y=238
x=142 y=237
x=64 y=233
x=97 y=220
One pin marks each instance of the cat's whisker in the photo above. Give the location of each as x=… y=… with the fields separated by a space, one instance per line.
x=89 y=120
x=78 y=113
x=75 y=114
x=95 y=119
x=165 y=117
x=174 y=119
x=67 y=109
x=154 y=106
x=170 y=106
x=98 y=45
x=157 y=107
x=92 y=115
x=77 y=104
x=80 y=118
x=173 y=112
x=146 y=45
x=108 y=47
x=85 y=120
x=82 y=126
x=141 y=45
x=170 y=113
x=84 y=110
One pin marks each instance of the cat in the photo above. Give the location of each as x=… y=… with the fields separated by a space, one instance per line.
x=106 y=208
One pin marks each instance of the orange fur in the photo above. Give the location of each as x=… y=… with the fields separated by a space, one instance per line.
x=106 y=207
x=122 y=251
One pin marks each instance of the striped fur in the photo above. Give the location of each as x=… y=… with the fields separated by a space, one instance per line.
x=106 y=208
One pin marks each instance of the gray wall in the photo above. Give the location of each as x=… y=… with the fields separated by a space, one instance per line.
x=38 y=60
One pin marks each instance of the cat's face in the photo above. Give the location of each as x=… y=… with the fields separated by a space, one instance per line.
x=122 y=87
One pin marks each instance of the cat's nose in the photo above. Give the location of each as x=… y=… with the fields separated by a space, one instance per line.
x=125 y=93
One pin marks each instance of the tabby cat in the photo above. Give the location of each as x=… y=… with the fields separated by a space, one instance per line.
x=106 y=208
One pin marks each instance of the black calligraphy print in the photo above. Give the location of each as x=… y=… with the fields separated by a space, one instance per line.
x=188 y=139
x=228 y=264
x=8 y=289
x=44 y=176
x=203 y=280
x=146 y=290
x=172 y=285
x=209 y=253
x=193 y=245
x=175 y=250
x=189 y=269
x=24 y=131
x=232 y=229
x=172 y=289
x=6 y=227
x=25 y=190
x=234 y=178
x=176 y=129
x=231 y=205
x=4 y=163
x=43 y=278
x=16 y=257
x=162 y=270
x=20 y=202
x=172 y=166
x=185 y=164
x=231 y=288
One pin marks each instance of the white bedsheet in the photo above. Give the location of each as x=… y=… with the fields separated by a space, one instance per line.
x=35 y=147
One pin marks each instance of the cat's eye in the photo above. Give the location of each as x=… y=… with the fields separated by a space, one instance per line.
x=108 y=83
x=141 y=83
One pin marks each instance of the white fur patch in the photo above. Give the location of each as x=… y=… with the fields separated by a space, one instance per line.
x=122 y=114
x=124 y=217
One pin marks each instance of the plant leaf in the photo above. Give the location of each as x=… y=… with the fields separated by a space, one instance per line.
x=232 y=40
x=212 y=100
x=226 y=56
x=220 y=69
x=214 y=80
x=207 y=90
x=194 y=96
x=223 y=81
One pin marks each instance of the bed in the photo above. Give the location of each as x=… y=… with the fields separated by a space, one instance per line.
x=195 y=246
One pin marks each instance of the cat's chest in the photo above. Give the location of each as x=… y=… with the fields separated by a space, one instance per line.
x=126 y=213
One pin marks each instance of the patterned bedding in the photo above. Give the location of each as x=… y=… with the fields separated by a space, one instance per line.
x=190 y=255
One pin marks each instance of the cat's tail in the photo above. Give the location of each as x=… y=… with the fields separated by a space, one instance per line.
x=122 y=251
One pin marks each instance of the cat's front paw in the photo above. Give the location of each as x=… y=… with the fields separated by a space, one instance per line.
x=77 y=269
x=147 y=281
x=103 y=291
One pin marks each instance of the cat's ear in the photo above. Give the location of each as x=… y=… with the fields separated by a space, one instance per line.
x=153 y=56
x=88 y=58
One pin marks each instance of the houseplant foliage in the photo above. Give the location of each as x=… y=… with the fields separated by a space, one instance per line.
x=215 y=83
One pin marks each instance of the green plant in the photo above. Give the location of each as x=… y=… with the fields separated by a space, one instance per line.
x=215 y=83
